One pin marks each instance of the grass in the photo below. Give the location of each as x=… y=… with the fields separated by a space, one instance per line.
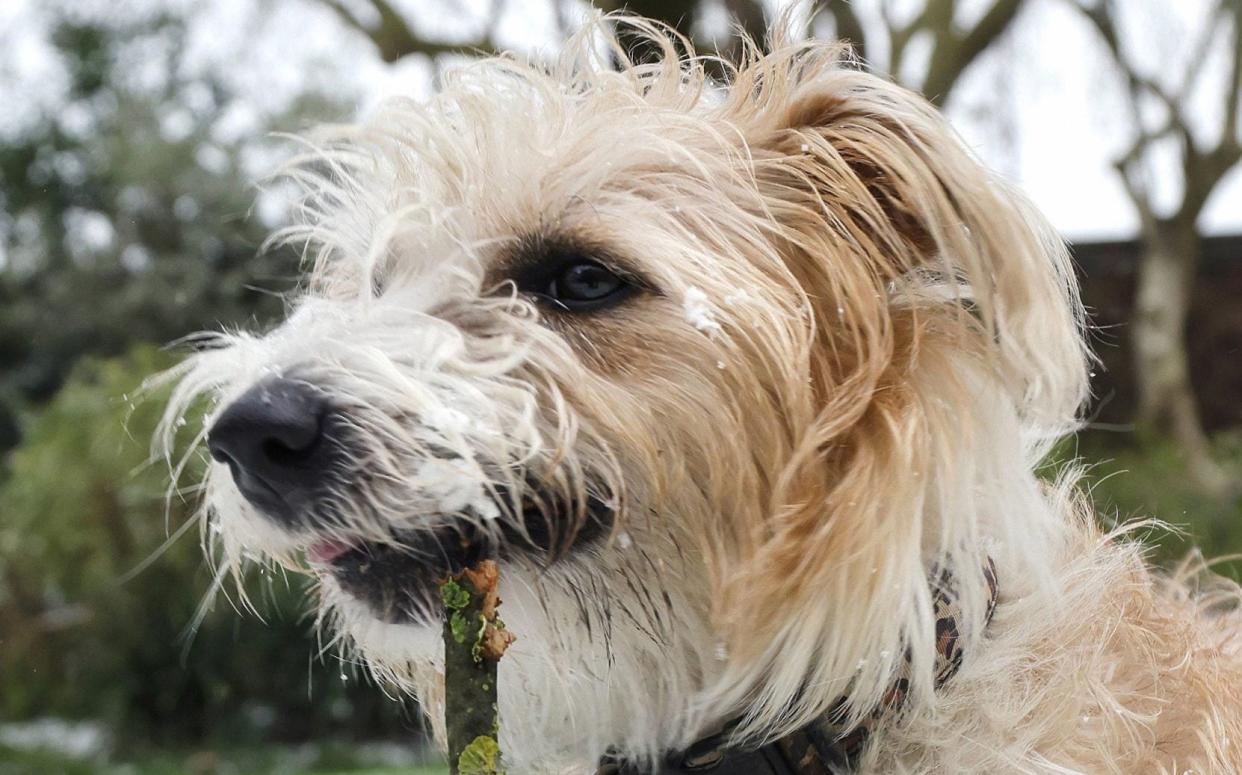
x=1129 y=481
x=275 y=760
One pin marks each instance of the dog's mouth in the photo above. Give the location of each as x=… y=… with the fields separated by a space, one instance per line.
x=398 y=579
x=327 y=551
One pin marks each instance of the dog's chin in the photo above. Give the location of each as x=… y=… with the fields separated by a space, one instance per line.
x=391 y=646
x=398 y=579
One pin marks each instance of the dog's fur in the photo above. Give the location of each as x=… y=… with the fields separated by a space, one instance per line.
x=852 y=349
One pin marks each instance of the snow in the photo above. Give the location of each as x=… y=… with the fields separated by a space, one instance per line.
x=176 y=125
x=447 y=420
x=699 y=312
x=186 y=208
x=453 y=487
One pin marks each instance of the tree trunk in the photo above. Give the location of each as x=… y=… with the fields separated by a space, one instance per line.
x=1166 y=398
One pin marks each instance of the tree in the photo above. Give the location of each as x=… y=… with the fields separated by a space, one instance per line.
x=123 y=212
x=1161 y=118
x=394 y=37
x=954 y=45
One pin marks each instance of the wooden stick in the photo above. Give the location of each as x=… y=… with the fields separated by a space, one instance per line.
x=474 y=641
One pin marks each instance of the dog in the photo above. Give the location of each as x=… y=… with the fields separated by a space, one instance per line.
x=745 y=387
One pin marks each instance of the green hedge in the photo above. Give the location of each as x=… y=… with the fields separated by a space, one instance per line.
x=82 y=506
x=1131 y=477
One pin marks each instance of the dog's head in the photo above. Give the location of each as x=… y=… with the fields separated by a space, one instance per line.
x=715 y=374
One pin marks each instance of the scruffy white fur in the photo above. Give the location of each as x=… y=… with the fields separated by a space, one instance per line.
x=856 y=347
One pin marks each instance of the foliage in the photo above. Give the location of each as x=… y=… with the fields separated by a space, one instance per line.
x=1146 y=478
x=122 y=217
x=82 y=508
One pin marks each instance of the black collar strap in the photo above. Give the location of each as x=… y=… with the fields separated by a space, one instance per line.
x=829 y=746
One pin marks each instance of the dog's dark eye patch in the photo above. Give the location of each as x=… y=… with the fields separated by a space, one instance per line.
x=575 y=283
x=569 y=277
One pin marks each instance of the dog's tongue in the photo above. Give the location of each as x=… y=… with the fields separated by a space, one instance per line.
x=324 y=552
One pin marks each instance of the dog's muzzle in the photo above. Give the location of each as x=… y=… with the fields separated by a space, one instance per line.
x=275 y=440
x=288 y=449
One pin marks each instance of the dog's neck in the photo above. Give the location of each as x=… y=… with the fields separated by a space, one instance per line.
x=832 y=745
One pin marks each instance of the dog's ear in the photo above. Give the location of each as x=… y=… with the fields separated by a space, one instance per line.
x=879 y=196
x=948 y=349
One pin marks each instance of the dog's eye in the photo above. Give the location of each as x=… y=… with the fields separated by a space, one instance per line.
x=584 y=282
x=583 y=285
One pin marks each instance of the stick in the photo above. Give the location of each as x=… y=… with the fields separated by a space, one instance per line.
x=474 y=641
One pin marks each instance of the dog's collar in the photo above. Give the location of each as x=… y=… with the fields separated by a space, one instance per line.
x=829 y=746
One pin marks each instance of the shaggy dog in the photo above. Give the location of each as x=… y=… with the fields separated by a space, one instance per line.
x=745 y=387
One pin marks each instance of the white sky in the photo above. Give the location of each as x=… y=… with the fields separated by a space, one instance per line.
x=1042 y=107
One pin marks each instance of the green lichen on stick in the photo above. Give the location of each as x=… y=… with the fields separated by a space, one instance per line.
x=474 y=641
x=481 y=757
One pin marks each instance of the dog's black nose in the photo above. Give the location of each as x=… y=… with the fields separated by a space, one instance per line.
x=273 y=440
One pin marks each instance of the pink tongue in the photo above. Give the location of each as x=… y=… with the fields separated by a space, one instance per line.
x=324 y=552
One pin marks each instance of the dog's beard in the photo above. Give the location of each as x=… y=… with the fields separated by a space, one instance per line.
x=398 y=578
x=387 y=538
x=598 y=621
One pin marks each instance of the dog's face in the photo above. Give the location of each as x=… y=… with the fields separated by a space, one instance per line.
x=685 y=361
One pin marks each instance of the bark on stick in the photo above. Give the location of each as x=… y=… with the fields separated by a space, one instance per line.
x=474 y=641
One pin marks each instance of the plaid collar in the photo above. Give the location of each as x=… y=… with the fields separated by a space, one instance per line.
x=829 y=746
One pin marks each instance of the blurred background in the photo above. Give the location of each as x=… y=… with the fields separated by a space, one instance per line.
x=135 y=139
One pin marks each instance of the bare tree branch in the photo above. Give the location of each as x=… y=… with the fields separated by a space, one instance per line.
x=1131 y=164
x=977 y=39
x=395 y=38
x=953 y=50
x=848 y=26
x=564 y=23
x=899 y=36
x=1202 y=168
x=1233 y=95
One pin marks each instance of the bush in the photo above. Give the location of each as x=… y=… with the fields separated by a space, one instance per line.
x=82 y=507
